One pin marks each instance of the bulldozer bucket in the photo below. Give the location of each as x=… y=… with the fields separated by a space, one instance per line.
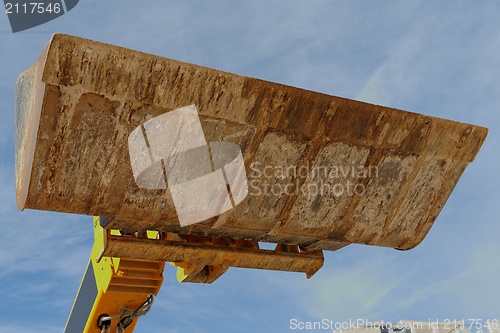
x=305 y=169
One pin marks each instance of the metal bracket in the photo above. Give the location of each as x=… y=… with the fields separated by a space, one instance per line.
x=204 y=259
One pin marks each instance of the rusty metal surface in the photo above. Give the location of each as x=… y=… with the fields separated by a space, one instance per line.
x=203 y=255
x=92 y=95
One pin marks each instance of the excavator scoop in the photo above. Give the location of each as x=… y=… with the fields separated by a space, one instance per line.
x=304 y=168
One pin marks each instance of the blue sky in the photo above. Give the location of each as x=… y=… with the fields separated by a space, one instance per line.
x=440 y=58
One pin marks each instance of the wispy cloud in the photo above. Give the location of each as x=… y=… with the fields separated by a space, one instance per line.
x=22 y=327
x=474 y=288
x=352 y=293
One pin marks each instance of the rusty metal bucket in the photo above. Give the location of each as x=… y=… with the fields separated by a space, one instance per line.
x=322 y=171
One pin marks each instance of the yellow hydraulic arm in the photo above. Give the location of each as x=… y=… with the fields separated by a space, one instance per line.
x=114 y=291
x=125 y=271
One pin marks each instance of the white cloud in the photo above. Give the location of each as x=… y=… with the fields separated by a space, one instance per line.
x=475 y=286
x=352 y=293
x=22 y=327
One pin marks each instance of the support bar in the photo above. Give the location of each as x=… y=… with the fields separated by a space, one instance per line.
x=218 y=252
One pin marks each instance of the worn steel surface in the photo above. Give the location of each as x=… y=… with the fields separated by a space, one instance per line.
x=214 y=255
x=323 y=171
